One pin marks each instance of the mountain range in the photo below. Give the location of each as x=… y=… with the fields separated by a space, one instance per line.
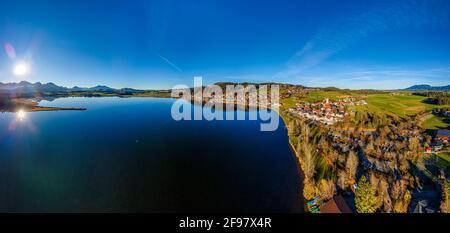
x=30 y=88
x=425 y=87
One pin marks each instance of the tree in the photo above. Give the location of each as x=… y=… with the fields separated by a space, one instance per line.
x=414 y=146
x=342 y=181
x=404 y=165
x=401 y=197
x=327 y=189
x=445 y=203
x=365 y=199
x=305 y=131
x=309 y=164
x=333 y=156
x=401 y=205
x=351 y=165
x=309 y=189
x=369 y=148
x=383 y=194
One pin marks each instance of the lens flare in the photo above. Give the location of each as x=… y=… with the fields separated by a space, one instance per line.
x=10 y=51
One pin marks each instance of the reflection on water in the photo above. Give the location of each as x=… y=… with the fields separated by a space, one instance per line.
x=21 y=115
x=128 y=155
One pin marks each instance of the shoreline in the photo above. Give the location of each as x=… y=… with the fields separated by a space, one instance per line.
x=299 y=161
x=48 y=109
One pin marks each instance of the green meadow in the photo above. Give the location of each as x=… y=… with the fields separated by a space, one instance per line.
x=436 y=122
x=443 y=160
x=402 y=104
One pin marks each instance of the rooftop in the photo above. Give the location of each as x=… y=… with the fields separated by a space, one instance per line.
x=335 y=206
x=443 y=133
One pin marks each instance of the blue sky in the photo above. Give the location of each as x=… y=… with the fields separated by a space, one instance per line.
x=158 y=44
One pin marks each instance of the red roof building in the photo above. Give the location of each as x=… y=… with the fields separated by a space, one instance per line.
x=336 y=205
x=443 y=135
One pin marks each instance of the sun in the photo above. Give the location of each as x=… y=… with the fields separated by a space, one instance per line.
x=21 y=69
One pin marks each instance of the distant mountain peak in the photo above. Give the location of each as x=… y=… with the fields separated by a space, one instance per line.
x=426 y=87
x=27 y=88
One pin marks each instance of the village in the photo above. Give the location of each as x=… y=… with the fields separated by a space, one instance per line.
x=326 y=112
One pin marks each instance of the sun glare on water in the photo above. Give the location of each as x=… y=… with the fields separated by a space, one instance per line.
x=21 y=115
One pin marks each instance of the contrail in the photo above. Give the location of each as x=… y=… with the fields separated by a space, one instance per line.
x=170 y=63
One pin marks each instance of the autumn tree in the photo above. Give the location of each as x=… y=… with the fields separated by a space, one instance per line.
x=445 y=203
x=309 y=165
x=414 y=146
x=342 y=181
x=365 y=199
x=375 y=182
x=327 y=189
x=383 y=194
x=351 y=165
x=401 y=197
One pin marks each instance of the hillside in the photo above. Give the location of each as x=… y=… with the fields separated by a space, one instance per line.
x=425 y=87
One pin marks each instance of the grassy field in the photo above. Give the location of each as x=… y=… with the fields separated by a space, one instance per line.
x=402 y=105
x=443 y=161
x=154 y=94
x=288 y=103
x=445 y=156
x=436 y=122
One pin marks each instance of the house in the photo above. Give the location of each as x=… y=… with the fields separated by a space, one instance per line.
x=336 y=205
x=437 y=146
x=443 y=135
x=447 y=113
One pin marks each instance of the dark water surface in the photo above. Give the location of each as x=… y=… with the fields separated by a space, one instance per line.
x=128 y=155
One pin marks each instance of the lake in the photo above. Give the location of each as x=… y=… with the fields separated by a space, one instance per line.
x=129 y=155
